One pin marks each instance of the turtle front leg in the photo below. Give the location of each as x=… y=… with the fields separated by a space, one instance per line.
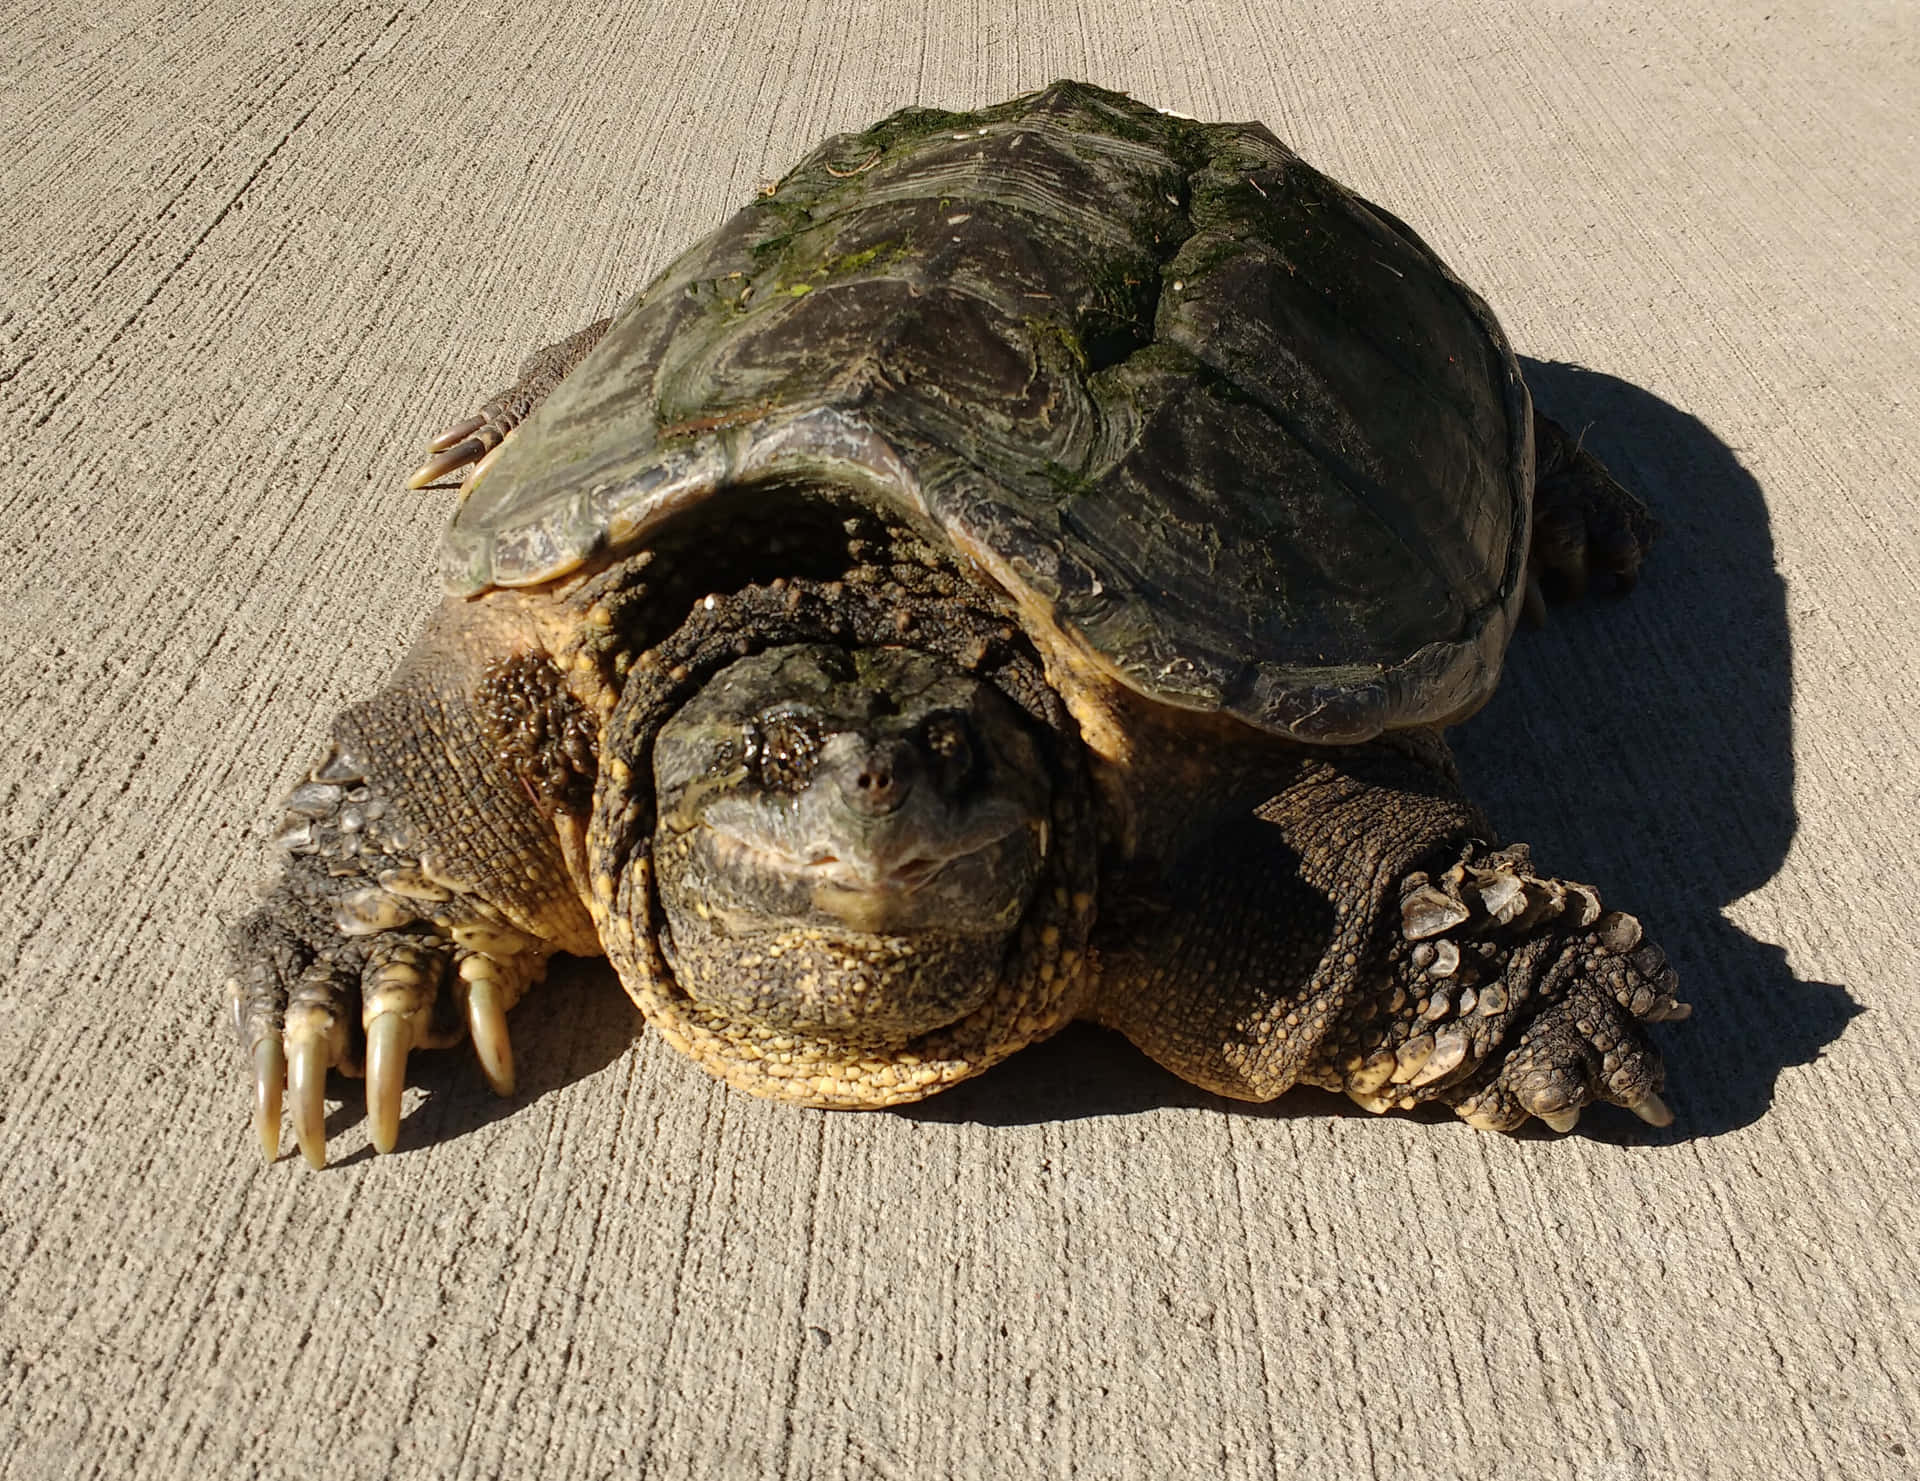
x=360 y=954
x=426 y=880
x=1359 y=933
x=475 y=438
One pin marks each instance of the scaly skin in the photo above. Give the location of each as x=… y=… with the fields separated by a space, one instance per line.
x=1349 y=934
x=423 y=892
x=1357 y=930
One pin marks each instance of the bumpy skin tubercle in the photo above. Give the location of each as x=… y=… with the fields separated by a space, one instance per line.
x=1358 y=933
x=423 y=891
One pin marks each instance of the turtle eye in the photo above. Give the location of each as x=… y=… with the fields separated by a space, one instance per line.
x=782 y=749
x=949 y=742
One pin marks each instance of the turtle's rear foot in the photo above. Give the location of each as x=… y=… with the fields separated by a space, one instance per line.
x=1589 y=532
x=474 y=439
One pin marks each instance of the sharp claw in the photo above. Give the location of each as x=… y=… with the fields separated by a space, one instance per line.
x=307 y=1088
x=1562 y=1121
x=486 y=462
x=269 y=1081
x=442 y=463
x=487 y=1023
x=1652 y=1110
x=454 y=433
x=388 y=1040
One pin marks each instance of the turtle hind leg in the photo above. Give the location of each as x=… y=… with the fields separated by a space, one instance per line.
x=475 y=438
x=1589 y=532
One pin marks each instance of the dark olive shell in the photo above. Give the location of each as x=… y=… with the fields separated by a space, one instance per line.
x=1233 y=431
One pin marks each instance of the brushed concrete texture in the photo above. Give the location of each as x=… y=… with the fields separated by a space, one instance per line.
x=248 y=260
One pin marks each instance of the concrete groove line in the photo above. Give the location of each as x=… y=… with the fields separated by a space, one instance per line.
x=1252 y=1285
x=712 y=1118
x=220 y=217
x=143 y=235
x=789 y=1383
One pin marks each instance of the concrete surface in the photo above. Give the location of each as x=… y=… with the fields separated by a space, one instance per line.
x=250 y=259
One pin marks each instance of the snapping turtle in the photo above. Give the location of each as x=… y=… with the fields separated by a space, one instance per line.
x=1018 y=569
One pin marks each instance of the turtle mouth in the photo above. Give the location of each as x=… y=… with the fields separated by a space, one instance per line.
x=901 y=879
x=826 y=868
x=969 y=883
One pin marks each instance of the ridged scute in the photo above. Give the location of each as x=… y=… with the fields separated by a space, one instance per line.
x=1238 y=432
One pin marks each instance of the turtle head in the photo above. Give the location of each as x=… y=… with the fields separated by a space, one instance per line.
x=846 y=841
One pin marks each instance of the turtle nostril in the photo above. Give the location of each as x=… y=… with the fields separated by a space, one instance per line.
x=882 y=782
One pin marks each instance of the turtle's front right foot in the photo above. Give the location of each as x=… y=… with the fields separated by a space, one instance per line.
x=358 y=956
x=474 y=439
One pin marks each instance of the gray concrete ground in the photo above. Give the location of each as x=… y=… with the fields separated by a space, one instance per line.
x=247 y=260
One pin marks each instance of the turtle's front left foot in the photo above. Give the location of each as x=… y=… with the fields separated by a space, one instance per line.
x=1585 y=1043
x=1515 y=996
x=475 y=439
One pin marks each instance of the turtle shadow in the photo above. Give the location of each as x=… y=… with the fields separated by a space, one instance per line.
x=1644 y=745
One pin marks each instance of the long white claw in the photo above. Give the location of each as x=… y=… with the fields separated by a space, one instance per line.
x=1562 y=1121
x=487 y=1023
x=1652 y=1110
x=388 y=1040
x=307 y=1089
x=269 y=1081
x=479 y=468
x=444 y=462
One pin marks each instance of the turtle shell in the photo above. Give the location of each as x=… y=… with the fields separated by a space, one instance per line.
x=1232 y=433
